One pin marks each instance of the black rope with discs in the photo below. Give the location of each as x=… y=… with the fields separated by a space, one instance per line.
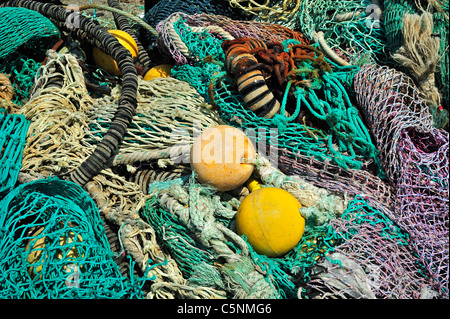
x=127 y=103
x=106 y=42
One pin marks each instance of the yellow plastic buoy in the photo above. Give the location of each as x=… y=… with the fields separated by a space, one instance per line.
x=159 y=71
x=270 y=219
x=223 y=156
x=35 y=258
x=105 y=61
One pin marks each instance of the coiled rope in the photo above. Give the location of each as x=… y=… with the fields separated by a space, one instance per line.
x=127 y=101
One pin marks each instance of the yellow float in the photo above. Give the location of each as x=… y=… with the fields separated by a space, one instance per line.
x=105 y=61
x=159 y=71
x=222 y=157
x=35 y=257
x=270 y=219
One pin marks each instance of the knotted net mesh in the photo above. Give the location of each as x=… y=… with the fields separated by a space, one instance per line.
x=54 y=246
x=371 y=259
x=13 y=129
x=415 y=156
x=353 y=29
x=321 y=111
x=30 y=27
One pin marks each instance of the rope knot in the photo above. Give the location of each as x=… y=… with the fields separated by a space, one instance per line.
x=335 y=116
x=281 y=122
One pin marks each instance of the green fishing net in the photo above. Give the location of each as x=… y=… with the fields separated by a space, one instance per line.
x=21 y=26
x=394 y=10
x=188 y=252
x=394 y=13
x=22 y=70
x=294 y=275
x=53 y=245
x=441 y=27
x=13 y=130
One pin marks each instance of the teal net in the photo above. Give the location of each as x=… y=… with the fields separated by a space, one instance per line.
x=13 y=130
x=22 y=70
x=53 y=245
x=24 y=27
x=435 y=84
x=361 y=254
x=441 y=27
x=188 y=253
x=394 y=10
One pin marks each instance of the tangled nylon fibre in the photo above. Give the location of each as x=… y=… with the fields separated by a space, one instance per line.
x=97 y=198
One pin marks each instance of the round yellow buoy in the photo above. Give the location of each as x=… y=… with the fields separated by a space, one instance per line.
x=223 y=156
x=270 y=219
x=35 y=258
x=159 y=71
x=105 y=61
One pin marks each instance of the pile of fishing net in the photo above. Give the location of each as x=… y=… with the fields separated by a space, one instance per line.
x=98 y=198
x=316 y=118
x=22 y=49
x=418 y=40
x=54 y=245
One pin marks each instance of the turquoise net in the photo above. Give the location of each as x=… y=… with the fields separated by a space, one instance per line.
x=53 y=245
x=353 y=28
x=303 y=272
x=13 y=130
x=441 y=27
x=22 y=70
x=184 y=249
x=393 y=21
x=21 y=26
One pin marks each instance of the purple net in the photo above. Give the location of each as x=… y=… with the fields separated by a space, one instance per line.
x=337 y=179
x=372 y=259
x=415 y=157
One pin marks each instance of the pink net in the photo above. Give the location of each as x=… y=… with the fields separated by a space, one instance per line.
x=337 y=179
x=371 y=260
x=247 y=29
x=421 y=206
x=415 y=157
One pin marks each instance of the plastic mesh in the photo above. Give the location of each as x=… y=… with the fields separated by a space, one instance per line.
x=371 y=259
x=245 y=29
x=391 y=102
x=19 y=26
x=13 y=130
x=337 y=179
x=54 y=246
x=415 y=156
x=422 y=204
